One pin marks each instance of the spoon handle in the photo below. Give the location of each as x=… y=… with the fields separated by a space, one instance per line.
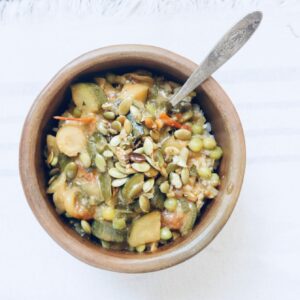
x=230 y=43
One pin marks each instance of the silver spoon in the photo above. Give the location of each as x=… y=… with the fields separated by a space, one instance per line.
x=231 y=42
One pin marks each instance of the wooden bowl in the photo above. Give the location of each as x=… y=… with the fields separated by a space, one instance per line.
x=52 y=101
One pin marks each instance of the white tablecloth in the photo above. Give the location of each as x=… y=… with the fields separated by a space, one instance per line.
x=257 y=254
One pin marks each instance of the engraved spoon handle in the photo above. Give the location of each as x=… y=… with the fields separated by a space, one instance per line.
x=230 y=43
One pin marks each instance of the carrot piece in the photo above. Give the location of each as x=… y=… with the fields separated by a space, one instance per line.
x=169 y=121
x=83 y=120
x=149 y=122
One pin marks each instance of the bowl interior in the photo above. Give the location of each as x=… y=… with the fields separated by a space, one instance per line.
x=53 y=101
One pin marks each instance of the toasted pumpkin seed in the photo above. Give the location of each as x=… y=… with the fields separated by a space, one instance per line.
x=119 y=182
x=120 y=167
x=183 y=134
x=54 y=161
x=164 y=187
x=144 y=203
x=109 y=115
x=85 y=159
x=125 y=106
x=141 y=167
x=116 y=125
x=170 y=150
x=151 y=173
x=155 y=135
x=107 y=154
x=115 y=141
x=175 y=180
x=102 y=128
x=136 y=157
x=127 y=126
x=115 y=173
x=171 y=167
x=185 y=175
x=148 y=185
x=139 y=150
x=153 y=163
x=86 y=226
x=100 y=163
x=148 y=146
x=50 y=157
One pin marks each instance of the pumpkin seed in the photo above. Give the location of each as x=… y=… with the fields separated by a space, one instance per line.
x=141 y=167
x=115 y=141
x=155 y=135
x=120 y=167
x=85 y=159
x=136 y=113
x=54 y=161
x=183 y=134
x=86 y=226
x=100 y=163
x=125 y=106
x=186 y=116
x=148 y=146
x=109 y=115
x=151 y=173
x=107 y=154
x=148 y=185
x=136 y=157
x=71 y=170
x=107 y=106
x=153 y=163
x=50 y=157
x=171 y=167
x=115 y=173
x=185 y=175
x=116 y=125
x=127 y=126
x=164 y=187
x=170 y=150
x=102 y=128
x=54 y=171
x=139 y=150
x=175 y=180
x=52 y=179
x=119 y=182
x=112 y=131
x=144 y=203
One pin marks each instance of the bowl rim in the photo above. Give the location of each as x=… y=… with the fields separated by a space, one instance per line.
x=109 y=261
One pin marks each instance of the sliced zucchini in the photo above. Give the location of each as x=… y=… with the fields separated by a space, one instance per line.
x=105 y=231
x=88 y=96
x=133 y=187
x=71 y=140
x=145 y=229
x=190 y=216
x=105 y=185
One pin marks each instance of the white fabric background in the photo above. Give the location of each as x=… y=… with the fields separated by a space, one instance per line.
x=257 y=254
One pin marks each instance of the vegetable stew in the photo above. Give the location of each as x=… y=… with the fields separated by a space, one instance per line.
x=126 y=168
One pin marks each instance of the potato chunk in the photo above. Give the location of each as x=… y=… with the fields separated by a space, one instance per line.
x=145 y=230
x=134 y=91
x=70 y=140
